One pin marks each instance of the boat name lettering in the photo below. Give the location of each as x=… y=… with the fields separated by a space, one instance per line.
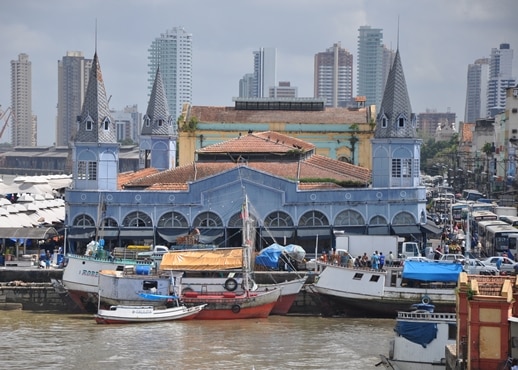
x=88 y=273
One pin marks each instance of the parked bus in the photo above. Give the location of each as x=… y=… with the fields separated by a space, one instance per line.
x=511 y=220
x=482 y=229
x=497 y=239
x=477 y=216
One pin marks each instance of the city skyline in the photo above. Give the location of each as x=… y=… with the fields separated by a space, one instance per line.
x=437 y=40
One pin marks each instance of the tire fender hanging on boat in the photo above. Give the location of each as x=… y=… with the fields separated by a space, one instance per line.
x=236 y=308
x=231 y=284
x=425 y=299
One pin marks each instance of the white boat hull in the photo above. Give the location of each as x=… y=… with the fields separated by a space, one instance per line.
x=139 y=314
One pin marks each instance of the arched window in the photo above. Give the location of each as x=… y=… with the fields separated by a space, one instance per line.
x=84 y=220
x=378 y=220
x=236 y=221
x=313 y=218
x=349 y=217
x=404 y=218
x=89 y=123
x=278 y=219
x=384 y=122
x=207 y=219
x=110 y=222
x=137 y=219
x=147 y=121
x=172 y=219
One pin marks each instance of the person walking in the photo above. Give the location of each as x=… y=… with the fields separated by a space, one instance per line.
x=390 y=259
x=381 y=260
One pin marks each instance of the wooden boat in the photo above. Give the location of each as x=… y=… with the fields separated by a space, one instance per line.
x=289 y=291
x=363 y=292
x=81 y=277
x=420 y=339
x=139 y=314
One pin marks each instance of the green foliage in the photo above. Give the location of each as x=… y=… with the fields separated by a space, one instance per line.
x=435 y=151
x=190 y=125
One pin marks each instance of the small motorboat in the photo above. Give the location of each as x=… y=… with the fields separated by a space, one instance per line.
x=122 y=314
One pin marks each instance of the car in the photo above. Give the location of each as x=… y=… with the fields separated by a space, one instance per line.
x=418 y=259
x=507 y=266
x=474 y=266
x=452 y=258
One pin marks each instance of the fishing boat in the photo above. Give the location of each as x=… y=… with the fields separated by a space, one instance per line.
x=139 y=314
x=421 y=337
x=364 y=292
x=289 y=291
x=81 y=276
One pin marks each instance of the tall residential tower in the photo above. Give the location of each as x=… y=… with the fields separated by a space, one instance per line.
x=370 y=65
x=23 y=123
x=476 y=90
x=333 y=77
x=73 y=72
x=500 y=78
x=172 y=53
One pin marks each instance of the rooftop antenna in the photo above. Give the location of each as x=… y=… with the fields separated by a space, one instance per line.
x=96 y=35
x=397 y=32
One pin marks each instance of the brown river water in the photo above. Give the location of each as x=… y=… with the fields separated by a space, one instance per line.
x=31 y=340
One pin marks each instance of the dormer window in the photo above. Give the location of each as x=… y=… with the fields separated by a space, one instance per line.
x=160 y=122
x=106 y=123
x=147 y=121
x=89 y=123
x=401 y=121
x=384 y=122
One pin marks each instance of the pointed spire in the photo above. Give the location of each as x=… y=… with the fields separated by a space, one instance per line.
x=157 y=120
x=95 y=122
x=395 y=118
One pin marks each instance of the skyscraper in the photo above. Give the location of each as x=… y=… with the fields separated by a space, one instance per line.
x=334 y=76
x=23 y=123
x=370 y=65
x=476 y=90
x=500 y=78
x=265 y=71
x=172 y=52
x=73 y=72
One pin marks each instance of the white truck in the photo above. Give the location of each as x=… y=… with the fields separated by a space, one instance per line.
x=357 y=245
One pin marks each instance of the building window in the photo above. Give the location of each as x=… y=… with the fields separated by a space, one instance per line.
x=160 y=122
x=173 y=219
x=89 y=124
x=313 y=218
x=396 y=167
x=207 y=219
x=87 y=170
x=384 y=122
x=147 y=121
x=401 y=122
x=106 y=123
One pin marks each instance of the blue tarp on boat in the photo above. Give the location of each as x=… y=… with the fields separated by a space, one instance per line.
x=269 y=256
x=431 y=271
x=420 y=333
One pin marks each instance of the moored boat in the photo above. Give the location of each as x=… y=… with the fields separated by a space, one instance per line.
x=139 y=314
x=81 y=277
x=364 y=292
x=420 y=340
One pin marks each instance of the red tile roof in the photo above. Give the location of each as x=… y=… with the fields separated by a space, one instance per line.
x=127 y=177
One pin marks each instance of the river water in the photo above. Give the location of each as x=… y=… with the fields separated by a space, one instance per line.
x=31 y=340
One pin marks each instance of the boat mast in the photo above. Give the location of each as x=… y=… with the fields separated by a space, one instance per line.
x=247 y=241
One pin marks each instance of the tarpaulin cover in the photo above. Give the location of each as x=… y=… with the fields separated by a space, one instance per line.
x=209 y=260
x=431 y=271
x=420 y=333
x=269 y=256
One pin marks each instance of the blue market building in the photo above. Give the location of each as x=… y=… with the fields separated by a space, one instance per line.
x=296 y=195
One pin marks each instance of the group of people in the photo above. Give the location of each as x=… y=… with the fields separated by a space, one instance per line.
x=376 y=261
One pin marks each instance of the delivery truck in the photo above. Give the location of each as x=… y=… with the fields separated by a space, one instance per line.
x=357 y=245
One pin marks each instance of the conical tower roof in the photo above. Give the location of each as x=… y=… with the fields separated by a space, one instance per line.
x=95 y=123
x=395 y=118
x=157 y=120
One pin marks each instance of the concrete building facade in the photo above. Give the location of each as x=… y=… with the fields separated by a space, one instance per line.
x=23 y=123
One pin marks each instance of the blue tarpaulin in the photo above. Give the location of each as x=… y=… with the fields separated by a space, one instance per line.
x=269 y=256
x=420 y=333
x=431 y=271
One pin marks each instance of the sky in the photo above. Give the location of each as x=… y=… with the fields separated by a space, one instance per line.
x=437 y=41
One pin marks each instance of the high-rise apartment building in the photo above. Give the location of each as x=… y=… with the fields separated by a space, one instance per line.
x=265 y=71
x=284 y=90
x=259 y=83
x=500 y=78
x=333 y=76
x=73 y=72
x=370 y=65
x=127 y=123
x=23 y=123
x=476 y=90
x=172 y=53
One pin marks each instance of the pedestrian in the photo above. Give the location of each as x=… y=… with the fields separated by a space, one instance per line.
x=375 y=261
x=390 y=259
x=382 y=260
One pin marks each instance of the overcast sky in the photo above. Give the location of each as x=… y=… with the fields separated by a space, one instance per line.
x=437 y=41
